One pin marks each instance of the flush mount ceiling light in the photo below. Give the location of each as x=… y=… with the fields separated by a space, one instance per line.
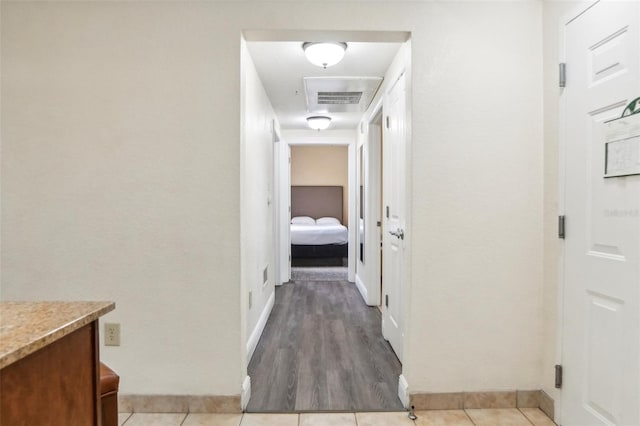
x=318 y=122
x=324 y=54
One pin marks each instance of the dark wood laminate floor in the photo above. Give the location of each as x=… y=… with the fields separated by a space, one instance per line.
x=322 y=349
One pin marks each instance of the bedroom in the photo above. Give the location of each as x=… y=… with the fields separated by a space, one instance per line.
x=319 y=206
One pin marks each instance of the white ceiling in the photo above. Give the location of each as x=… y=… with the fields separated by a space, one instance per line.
x=282 y=66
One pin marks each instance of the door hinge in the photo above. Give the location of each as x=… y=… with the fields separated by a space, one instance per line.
x=386 y=300
x=387 y=212
x=562 y=77
x=558 y=376
x=561 y=227
x=387 y=121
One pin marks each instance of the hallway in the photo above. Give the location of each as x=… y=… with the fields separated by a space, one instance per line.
x=322 y=349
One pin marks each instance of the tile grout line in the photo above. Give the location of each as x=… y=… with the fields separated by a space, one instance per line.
x=468 y=416
x=526 y=417
x=127 y=419
x=242 y=418
x=185 y=418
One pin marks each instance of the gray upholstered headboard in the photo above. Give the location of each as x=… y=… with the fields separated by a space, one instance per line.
x=317 y=201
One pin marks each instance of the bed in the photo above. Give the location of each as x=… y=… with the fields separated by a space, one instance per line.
x=318 y=236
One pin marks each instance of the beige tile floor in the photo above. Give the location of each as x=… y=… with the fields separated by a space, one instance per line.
x=492 y=417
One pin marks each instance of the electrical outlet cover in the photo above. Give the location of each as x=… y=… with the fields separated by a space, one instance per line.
x=112 y=334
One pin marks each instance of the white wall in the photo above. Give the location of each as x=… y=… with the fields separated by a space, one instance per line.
x=121 y=180
x=257 y=201
x=476 y=240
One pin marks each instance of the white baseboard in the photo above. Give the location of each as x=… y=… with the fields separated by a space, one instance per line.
x=362 y=289
x=245 y=395
x=403 y=391
x=252 y=342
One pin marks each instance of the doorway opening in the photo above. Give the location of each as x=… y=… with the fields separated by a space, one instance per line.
x=321 y=332
x=319 y=211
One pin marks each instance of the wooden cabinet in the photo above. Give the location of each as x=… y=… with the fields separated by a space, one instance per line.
x=55 y=378
x=57 y=384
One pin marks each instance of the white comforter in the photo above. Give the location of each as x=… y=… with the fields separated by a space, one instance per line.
x=315 y=235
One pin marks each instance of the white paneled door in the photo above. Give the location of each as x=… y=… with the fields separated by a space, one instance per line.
x=394 y=200
x=601 y=315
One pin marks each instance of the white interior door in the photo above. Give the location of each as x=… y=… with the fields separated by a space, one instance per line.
x=394 y=200
x=601 y=324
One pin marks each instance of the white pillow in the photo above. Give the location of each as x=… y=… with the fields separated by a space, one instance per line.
x=327 y=221
x=302 y=220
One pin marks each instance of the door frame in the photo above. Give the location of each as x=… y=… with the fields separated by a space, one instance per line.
x=282 y=214
x=313 y=138
x=400 y=64
x=369 y=275
x=562 y=155
x=400 y=288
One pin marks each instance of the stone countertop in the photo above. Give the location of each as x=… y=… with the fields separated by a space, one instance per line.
x=26 y=327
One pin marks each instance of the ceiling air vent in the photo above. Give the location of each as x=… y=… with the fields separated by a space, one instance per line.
x=340 y=94
x=339 y=98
